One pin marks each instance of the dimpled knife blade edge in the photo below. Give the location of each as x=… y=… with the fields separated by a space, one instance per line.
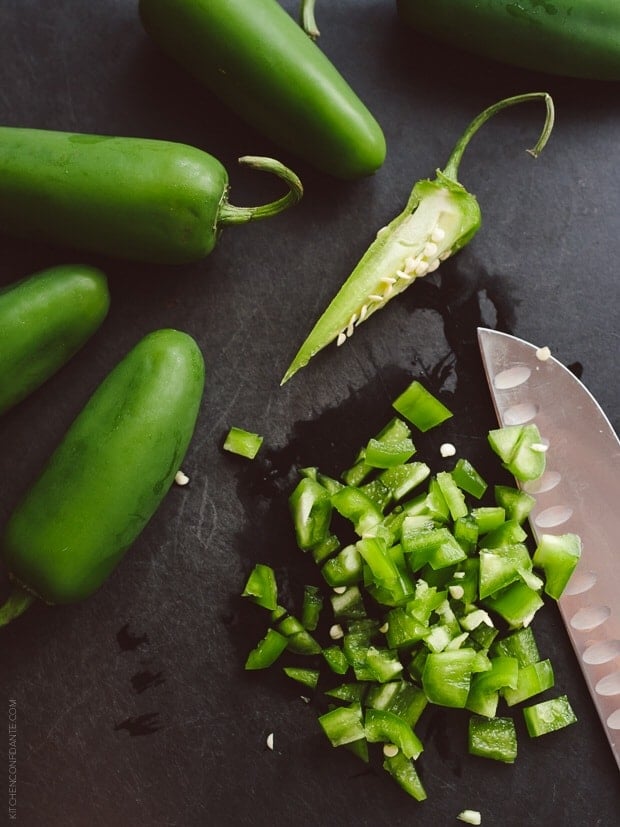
x=578 y=493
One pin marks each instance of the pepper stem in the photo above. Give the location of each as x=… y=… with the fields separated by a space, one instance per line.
x=452 y=167
x=229 y=214
x=307 y=19
x=16 y=604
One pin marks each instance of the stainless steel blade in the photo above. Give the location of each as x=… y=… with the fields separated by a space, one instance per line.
x=579 y=492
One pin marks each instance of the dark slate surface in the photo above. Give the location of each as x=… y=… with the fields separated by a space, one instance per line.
x=133 y=707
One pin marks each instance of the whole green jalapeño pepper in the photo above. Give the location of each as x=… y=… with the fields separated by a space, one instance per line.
x=580 y=38
x=44 y=320
x=258 y=61
x=440 y=218
x=107 y=477
x=136 y=198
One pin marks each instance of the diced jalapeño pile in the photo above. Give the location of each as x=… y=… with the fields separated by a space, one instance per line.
x=431 y=598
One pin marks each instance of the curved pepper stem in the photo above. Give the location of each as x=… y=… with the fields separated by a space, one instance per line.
x=452 y=167
x=16 y=604
x=307 y=19
x=229 y=214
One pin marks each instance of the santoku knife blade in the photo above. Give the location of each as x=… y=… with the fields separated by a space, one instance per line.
x=579 y=492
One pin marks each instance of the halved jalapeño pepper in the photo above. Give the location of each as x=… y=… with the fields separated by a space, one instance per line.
x=439 y=218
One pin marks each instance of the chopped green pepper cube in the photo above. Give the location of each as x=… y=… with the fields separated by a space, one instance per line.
x=322 y=550
x=311 y=508
x=241 y=442
x=267 y=651
x=517 y=604
x=420 y=407
x=494 y=738
x=447 y=676
x=308 y=677
x=388 y=453
x=351 y=692
x=336 y=659
x=311 y=608
x=557 y=556
x=488 y=517
x=521 y=645
x=409 y=702
x=466 y=477
x=345 y=568
x=377 y=491
x=357 y=507
x=404 y=629
x=375 y=553
x=401 y=479
x=382 y=726
x=516 y=503
x=349 y=604
x=548 y=716
x=261 y=587
x=531 y=680
x=501 y=566
x=343 y=725
x=383 y=663
x=507 y=534
x=403 y=771
x=454 y=497
x=394 y=431
x=484 y=690
x=528 y=461
x=380 y=696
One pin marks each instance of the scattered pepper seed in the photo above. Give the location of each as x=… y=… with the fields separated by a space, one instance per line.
x=447 y=449
x=543 y=353
x=390 y=750
x=470 y=817
x=269 y=741
x=180 y=478
x=336 y=632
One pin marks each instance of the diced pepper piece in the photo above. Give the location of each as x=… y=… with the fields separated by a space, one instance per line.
x=380 y=696
x=531 y=680
x=494 y=738
x=307 y=677
x=343 y=725
x=401 y=479
x=267 y=651
x=349 y=604
x=557 y=556
x=394 y=431
x=447 y=676
x=355 y=506
x=378 y=492
x=504 y=441
x=466 y=533
x=466 y=477
x=529 y=460
x=383 y=663
x=408 y=703
x=484 y=690
x=345 y=568
x=336 y=659
x=311 y=608
x=311 y=508
x=261 y=587
x=382 y=726
x=375 y=553
x=509 y=533
x=488 y=518
x=516 y=503
x=455 y=500
x=351 y=692
x=501 y=566
x=517 y=604
x=404 y=629
x=403 y=771
x=420 y=407
x=435 y=504
x=388 y=453
x=241 y=442
x=521 y=645
x=321 y=551
x=436 y=546
x=548 y=716
x=425 y=601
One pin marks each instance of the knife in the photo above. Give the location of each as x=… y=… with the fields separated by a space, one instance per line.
x=579 y=493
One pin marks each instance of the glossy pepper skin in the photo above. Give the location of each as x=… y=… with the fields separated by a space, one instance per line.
x=44 y=320
x=256 y=59
x=135 y=198
x=576 y=38
x=110 y=472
